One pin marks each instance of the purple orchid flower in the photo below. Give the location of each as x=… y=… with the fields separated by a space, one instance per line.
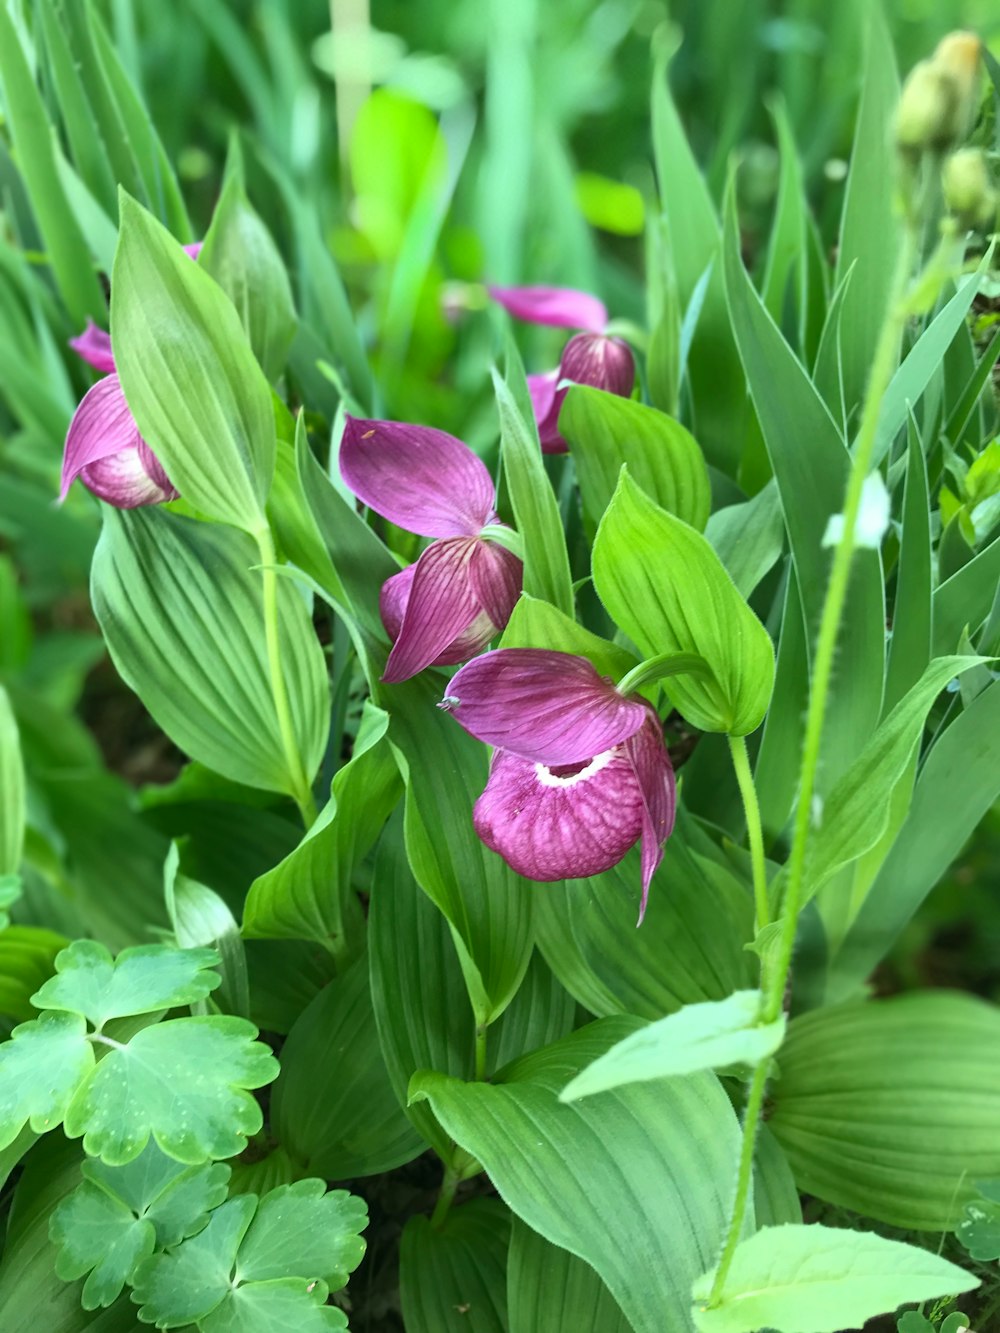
x=459 y=594
x=103 y=445
x=592 y=357
x=579 y=772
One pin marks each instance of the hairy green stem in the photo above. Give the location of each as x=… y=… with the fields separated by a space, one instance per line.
x=301 y=790
x=883 y=365
x=755 y=836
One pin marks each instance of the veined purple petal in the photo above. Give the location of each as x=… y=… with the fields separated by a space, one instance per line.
x=94 y=346
x=496 y=576
x=393 y=601
x=441 y=606
x=559 y=307
x=563 y=822
x=604 y=363
x=654 y=774
x=549 y=707
x=546 y=402
x=194 y=249
x=422 y=479
x=105 y=450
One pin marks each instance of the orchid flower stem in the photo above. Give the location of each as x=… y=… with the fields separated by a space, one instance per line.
x=755 y=836
x=883 y=365
x=446 y=1196
x=301 y=791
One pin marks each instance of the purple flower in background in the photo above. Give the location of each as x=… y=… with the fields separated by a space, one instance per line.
x=579 y=772
x=103 y=445
x=459 y=594
x=591 y=357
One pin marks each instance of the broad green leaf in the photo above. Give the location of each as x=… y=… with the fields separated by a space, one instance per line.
x=667 y=589
x=657 y=1159
x=190 y=377
x=333 y=1107
x=12 y=796
x=10 y=891
x=816 y=1279
x=295 y=1304
x=99 y=1236
x=959 y=781
x=304 y=1229
x=604 y=431
x=536 y=513
x=27 y=959
x=241 y=256
x=889 y=1107
x=748 y=538
x=181 y=610
x=964 y=599
x=709 y=1035
x=183 y=1082
x=175 y=1198
x=309 y=895
x=550 y=1290
x=89 y=981
x=910 y=643
x=485 y=902
x=541 y=1012
x=453 y=1277
x=690 y=947
x=856 y=813
x=31 y=131
x=41 y=1067
x=537 y=624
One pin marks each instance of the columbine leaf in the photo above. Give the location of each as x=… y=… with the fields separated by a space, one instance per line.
x=699 y=1036
x=979 y=1229
x=89 y=981
x=187 y=1283
x=815 y=1279
x=175 y=1198
x=41 y=1068
x=302 y=1230
x=184 y=1082
x=99 y=1235
x=291 y=1305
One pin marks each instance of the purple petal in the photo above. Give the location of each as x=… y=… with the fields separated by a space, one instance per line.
x=654 y=774
x=545 y=706
x=440 y=607
x=94 y=346
x=604 y=363
x=393 y=601
x=565 y=822
x=496 y=575
x=194 y=249
x=105 y=450
x=560 y=307
x=547 y=401
x=421 y=479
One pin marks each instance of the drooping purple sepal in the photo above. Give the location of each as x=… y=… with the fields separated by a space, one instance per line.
x=546 y=401
x=420 y=478
x=558 y=307
x=105 y=450
x=93 y=345
x=545 y=706
x=654 y=775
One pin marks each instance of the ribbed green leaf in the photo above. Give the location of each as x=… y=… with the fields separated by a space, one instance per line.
x=453 y=1277
x=890 y=1107
x=775 y=1196
x=12 y=798
x=604 y=431
x=550 y=1290
x=666 y=588
x=333 y=1107
x=537 y=624
x=820 y=1279
x=637 y=1181
x=180 y=608
x=190 y=377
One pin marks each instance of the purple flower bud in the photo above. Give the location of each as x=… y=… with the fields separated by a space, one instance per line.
x=588 y=358
x=105 y=450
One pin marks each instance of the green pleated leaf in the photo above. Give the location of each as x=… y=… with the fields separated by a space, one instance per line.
x=27 y=959
x=775 y=1196
x=90 y=982
x=536 y=513
x=31 y=131
x=537 y=624
x=636 y=1182
x=241 y=256
x=189 y=374
x=550 y=1290
x=333 y=1107
x=816 y=1279
x=690 y=947
x=454 y=1277
x=890 y=1107
x=485 y=902
x=12 y=797
x=181 y=610
x=709 y=1035
x=604 y=431
x=667 y=589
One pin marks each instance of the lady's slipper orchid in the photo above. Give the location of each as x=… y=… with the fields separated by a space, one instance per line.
x=459 y=594
x=579 y=774
x=103 y=445
x=592 y=357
